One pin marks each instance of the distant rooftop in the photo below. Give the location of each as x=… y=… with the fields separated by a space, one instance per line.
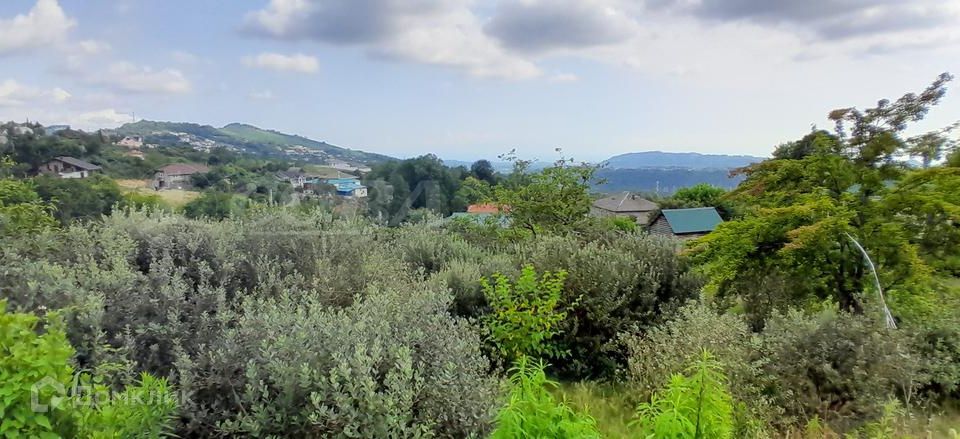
x=78 y=163
x=625 y=202
x=696 y=220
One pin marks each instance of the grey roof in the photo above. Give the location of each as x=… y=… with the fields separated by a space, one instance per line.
x=625 y=202
x=78 y=163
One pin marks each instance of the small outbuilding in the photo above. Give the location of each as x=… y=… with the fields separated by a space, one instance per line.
x=177 y=175
x=686 y=223
x=69 y=167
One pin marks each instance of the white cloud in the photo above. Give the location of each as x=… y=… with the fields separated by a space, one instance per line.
x=184 y=57
x=299 y=63
x=93 y=47
x=94 y=120
x=262 y=95
x=128 y=77
x=14 y=94
x=564 y=77
x=44 y=25
x=440 y=32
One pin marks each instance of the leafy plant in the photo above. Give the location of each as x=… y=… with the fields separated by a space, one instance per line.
x=531 y=412
x=145 y=410
x=34 y=368
x=694 y=406
x=525 y=315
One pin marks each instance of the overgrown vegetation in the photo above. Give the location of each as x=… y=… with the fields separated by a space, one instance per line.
x=308 y=321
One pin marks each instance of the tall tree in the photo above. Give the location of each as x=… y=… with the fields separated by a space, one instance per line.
x=808 y=204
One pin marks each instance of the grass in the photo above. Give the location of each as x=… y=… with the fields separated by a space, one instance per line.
x=176 y=198
x=613 y=410
x=325 y=172
x=607 y=404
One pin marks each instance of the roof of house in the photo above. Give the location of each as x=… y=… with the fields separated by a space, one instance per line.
x=696 y=220
x=625 y=202
x=291 y=175
x=184 y=169
x=483 y=208
x=72 y=161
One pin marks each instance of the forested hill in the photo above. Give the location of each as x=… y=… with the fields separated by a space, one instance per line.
x=686 y=160
x=247 y=138
x=665 y=172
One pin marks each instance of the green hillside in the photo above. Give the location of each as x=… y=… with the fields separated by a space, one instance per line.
x=267 y=143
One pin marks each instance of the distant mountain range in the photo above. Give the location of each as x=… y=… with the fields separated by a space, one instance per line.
x=685 y=160
x=248 y=139
x=665 y=172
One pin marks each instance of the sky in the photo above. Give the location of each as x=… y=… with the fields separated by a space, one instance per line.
x=468 y=79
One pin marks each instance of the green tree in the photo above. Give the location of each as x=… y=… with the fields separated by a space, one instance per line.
x=553 y=200
x=82 y=198
x=212 y=204
x=807 y=208
x=482 y=170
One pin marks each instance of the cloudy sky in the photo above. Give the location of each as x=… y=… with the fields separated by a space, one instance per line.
x=475 y=78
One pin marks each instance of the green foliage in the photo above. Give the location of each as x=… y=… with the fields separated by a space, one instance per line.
x=33 y=365
x=213 y=204
x=655 y=355
x=145 y=410
x=35 y=375
x=553 y=200
x=623 y=284
x=137 y=200
x=817 y=192
x=531 y=412
x=397 y=187
x=22 y=213
x=694 y=406
x=392 y=365
x=525 y=314
x=81 y=198
x=840 y=367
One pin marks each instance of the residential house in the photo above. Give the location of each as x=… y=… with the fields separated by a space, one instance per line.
x=294 y=176
x=685 y=223
x=483 y=208
x=132 y=142
x=348 y=187
x=69 y=167
x=177 y=175
x=626 y=205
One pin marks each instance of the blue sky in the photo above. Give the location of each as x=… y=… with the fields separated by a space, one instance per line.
x=466 y=79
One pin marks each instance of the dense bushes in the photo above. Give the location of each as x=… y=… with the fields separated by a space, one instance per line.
x=41 y=396
x=619 y=286
x=281 y=323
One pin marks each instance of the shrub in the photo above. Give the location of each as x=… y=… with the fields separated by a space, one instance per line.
x=35 y=369
x=694 y=406
x=531 y=412
x=145 y=410
x=26 y=359
x=393 y=364
x=621 y=286
x=840 y=367
x=429 y=249
x=525 y=315
x=654 y=356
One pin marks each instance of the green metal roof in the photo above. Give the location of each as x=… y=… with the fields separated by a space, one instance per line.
x=698 y=220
